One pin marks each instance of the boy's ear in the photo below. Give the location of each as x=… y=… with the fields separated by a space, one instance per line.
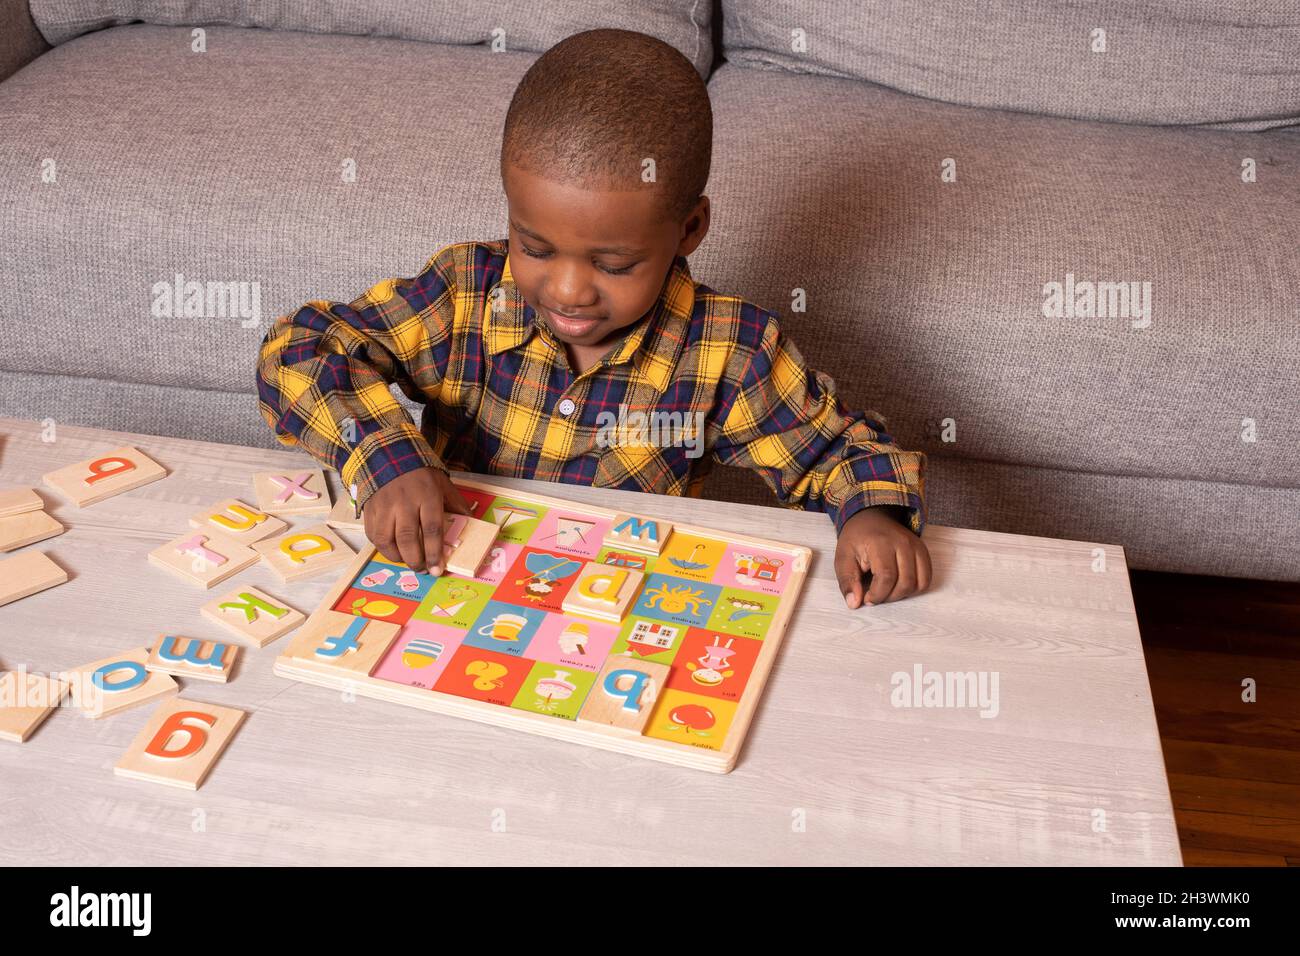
x=695 y=228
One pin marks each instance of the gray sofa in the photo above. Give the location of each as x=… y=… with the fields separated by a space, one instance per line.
x=928 y=178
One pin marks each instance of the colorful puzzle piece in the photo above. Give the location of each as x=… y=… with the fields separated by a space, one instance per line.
x=691 y=719
x=92 y=480
x=180 y=743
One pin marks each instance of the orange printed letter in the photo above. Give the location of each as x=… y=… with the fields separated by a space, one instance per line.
x=100 y=468
x=195 y=737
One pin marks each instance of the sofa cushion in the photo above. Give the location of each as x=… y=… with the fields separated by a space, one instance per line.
x=526 y=27
x=1230 y=62
x=930 y=300
x=20 y=42
x=170 y=164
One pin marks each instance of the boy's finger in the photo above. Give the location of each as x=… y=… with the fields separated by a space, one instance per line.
x=410 y=540
x=379 y=529
x=431 y=523
x=923 y=568
x=454 y=501
x=905 y=586
x=849 y=576
x=884 y=574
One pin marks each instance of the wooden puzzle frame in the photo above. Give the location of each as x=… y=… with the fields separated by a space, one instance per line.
x=581 y=732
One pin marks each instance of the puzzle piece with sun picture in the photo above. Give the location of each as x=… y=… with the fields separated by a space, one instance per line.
x=621 y=631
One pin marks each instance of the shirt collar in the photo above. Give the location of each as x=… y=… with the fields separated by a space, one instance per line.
x=516 y=322
x=512 y=325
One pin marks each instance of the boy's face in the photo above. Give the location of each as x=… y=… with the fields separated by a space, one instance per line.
x=592 y=262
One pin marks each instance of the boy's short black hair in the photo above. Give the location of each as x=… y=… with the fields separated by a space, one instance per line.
x=599 y=103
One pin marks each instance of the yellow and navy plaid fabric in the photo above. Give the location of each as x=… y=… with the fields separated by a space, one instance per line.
x=501 y=399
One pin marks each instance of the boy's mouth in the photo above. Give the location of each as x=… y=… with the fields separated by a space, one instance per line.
x=571 y=326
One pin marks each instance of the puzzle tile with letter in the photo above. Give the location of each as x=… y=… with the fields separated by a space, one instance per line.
x=180 y=743
x=298 y=491
x=304 y=553
x=115 y=683
x=192 y=657
x=236 y=521
x=112 y=473
x=203 y=558
x=253 y=615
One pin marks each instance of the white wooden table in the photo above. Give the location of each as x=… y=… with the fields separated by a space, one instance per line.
x=1069 y=771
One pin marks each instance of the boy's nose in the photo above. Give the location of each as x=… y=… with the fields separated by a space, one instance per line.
x=570 y=291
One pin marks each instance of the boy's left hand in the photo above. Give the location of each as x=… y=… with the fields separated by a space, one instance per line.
x=874 y=541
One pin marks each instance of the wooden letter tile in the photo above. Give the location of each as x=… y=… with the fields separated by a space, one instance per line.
x=180 y=743
x=296 y=491
x=116 y=683
x=25 y=574
x=624 y=693
x=332 y=639
x=638 y=534
x=203 y=558
x=603 y=592
x=20 y=530
x=116 y=471
x=474 y=541
x=253 y=615
x=305 y=553
x=193 y=658
x=17 y=501
x=236 y=521
x=25 y=701
x=344 y=515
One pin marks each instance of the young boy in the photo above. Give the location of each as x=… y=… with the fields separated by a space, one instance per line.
x=523 y=349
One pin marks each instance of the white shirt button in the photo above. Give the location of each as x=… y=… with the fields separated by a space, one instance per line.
x=566 y=407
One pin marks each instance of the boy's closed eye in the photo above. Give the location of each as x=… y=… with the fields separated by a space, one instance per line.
x=623 y=270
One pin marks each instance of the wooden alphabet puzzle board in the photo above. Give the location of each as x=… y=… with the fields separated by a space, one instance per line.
x=675 y=676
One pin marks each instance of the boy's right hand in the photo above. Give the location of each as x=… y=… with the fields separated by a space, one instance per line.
x=404 y=518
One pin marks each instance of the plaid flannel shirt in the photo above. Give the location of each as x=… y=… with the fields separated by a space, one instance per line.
x=501 y=399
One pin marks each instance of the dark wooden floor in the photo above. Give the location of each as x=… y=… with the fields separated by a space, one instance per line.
x=1234 y=767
